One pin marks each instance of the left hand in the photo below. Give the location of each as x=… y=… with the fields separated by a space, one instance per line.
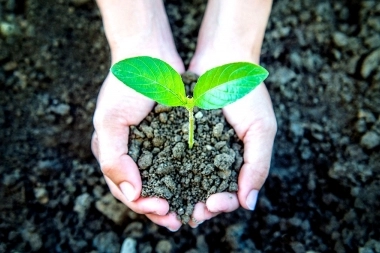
x=253 y=120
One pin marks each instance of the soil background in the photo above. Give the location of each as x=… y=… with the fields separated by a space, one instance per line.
x=323 y=190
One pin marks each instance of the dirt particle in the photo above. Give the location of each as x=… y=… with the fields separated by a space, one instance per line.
x=185 y=218
x=138 y=133
x=178 y=150
x=208 y=169
x=163 y=117
x=169 y=182
x=164 y=168
x=233 y=187
x=134 y=149
x=223 y=161
x=185 y=128
x=220 y=145
x=145 y=160
x=217 y=130
x=198 y=115
x=163 y=192
x=212 y=190
x=180 y=211
x=158 y=141
x=147 y=130
x=223 y=186
x=162 y=108
x=147 y=145
x=189 y=209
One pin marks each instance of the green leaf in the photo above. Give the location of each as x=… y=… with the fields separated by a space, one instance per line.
x=225 y=84
x=153 y=78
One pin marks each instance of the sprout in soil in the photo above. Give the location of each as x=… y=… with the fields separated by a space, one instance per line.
x=215 y=89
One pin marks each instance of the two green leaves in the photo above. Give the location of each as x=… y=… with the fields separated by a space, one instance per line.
x=215 y=89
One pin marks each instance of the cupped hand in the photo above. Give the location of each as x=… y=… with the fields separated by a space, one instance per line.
x=252 y=117
x=119 y=107
x=253 y=120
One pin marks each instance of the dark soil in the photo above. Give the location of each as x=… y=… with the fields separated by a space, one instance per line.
x=323 y=189
x=173 y=171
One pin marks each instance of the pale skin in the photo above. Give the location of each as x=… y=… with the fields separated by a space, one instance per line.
x=231 y=31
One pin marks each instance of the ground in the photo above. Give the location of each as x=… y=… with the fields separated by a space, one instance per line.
x=323 y=190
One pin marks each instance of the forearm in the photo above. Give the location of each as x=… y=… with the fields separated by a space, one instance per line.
x=131 y=25
x=236 y=24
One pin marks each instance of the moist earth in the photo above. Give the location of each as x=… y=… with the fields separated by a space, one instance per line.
x=171 y=170
x=323 y=189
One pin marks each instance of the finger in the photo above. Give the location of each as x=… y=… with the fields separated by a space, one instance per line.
x=258 y=137
x=258 y=144
x=110 y=147
x=117 y=108
x=200 y=214
x=153 y=205
x=95 y=145
x=123 y=160
x=222 y=202
x=169 y=221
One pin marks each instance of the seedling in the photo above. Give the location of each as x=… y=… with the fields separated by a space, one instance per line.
x=215 y=89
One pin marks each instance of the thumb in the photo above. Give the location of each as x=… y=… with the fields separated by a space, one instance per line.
x=110 y=147
x=258 y=143
x=254 y=121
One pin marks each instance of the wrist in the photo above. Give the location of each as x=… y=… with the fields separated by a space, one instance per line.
x=231 y=31
x=135 y=28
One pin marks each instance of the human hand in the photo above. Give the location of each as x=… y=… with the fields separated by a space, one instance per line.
x=119 y=107
x=253 y=120
x=147 y=33
x=255 y=124
x=233 y=31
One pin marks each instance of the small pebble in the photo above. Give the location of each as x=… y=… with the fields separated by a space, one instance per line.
x=217 y=130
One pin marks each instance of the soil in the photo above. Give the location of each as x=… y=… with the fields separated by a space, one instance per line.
x=322 y=193
x=173 y=171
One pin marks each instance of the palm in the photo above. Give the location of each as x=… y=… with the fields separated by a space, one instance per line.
x=118 y=101
x=119 y=107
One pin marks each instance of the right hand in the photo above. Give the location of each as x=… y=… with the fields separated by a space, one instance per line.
x=119 y=107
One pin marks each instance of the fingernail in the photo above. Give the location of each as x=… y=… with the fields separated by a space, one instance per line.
x=195 y=221
x=128 y=190
x=252 y=199
x=172 y=230
x=197 y=224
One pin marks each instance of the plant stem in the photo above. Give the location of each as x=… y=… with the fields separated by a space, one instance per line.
x=190 y=106
x=191 y=127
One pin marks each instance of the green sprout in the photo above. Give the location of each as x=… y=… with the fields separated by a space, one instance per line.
x=214 y=89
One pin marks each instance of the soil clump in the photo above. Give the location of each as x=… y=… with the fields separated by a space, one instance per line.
x=171 y=170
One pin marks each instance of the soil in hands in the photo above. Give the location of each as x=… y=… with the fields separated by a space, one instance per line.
x=183 y=176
